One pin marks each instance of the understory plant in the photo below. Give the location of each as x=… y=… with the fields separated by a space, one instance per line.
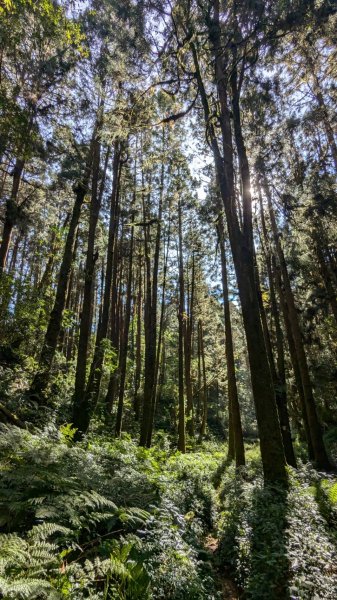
x=101 y=519
x=280 y=543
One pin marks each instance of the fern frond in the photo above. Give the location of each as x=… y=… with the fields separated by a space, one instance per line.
x=44 y=530
x=28 y=589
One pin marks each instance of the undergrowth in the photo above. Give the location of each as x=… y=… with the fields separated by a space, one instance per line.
x=280 y=544
x=102 y=519
x=107 y=520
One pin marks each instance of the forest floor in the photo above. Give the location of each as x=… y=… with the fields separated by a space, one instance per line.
x=225 y=583
x=105 y=519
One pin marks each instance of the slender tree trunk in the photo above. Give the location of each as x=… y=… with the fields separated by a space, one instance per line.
x=161 y=378
x=46 y=278
x=64 y=335
x=14 y=256
x=150 y=329
x=231 y=438
x=124 y=341
x=154 y=303
x=81 y=404
x=235 y=438
x=181 y=311
x=115 y=333
x=138 y=368
x=199 y=390
x=11 y=213
x=188 y=357
x=96 y=370
x=204 y=402
x=159 y=345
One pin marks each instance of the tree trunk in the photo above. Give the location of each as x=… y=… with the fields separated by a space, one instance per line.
x=124 y=341
x=150 y=330
x=154 y=302
x=11 y=213
x=293 y=356
x=204 y=402
x=81 y=404
x=188 y=357
x=138 y=369
x=96 y=370
x=278 y=374
x=14 y=256
x=159 y=354
x=272 y=452
x=181 y=310
x=235 y=438
x=199 y=389
x=115 y=334
x=279 y=386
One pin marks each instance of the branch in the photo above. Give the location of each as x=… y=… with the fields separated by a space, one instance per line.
x=179 y=115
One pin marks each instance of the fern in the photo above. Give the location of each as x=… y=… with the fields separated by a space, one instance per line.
x=333 y=494
x=24 y=565
x=99 y=521
x=30 y=589
x=44 y=530
x=63 y=503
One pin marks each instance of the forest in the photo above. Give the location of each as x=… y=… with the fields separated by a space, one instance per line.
x=168 y=299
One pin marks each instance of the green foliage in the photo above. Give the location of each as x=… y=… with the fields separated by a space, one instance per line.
x=111 y=520
x=278 y=541
x=110 y=355
x=330 y=439
x=102 y=519
x=51 y=19
x=26 y=563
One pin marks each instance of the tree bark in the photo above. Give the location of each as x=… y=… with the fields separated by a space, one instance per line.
x=181 y=310
x=125 y=337
x=96 y=370
x=115 y=333
x=159 y=354
x=138 y=369
x=204 y=402
x=188 y=356
x=293 y=355
x=235 y=437
x=11 y=213
x=150 y=330
x=154 y=300
x=81 y=404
